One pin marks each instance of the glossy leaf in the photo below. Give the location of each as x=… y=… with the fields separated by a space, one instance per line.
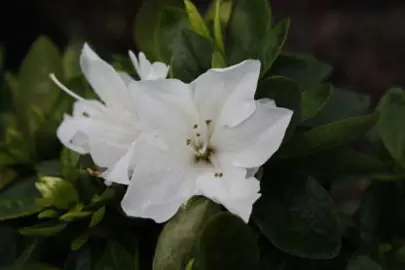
x=44 y=229
x=146 y=26
x=273 y=43
x=36 y=92
x=115 y=256
x=390 y=125
x=248 y=26
x=328 y=136
x=297 y=215
x=197 y=22
x=191 y=56
x=346 y=161
x=71 y=59
x=314 y=99
x=172 y=21
x=355 y=104
x=304 y=69
x=177 y=240
x=97 y=217
x=19 y=200
x=227 y=243
x=79 y=241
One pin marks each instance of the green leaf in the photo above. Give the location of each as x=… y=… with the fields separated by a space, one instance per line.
x=97 y=217
x=328 y=136
x=377 y=204
x=44 y=229
x=177 y=240
x=57 y=192
x=36 y=92
x=75 y=213
x=345 y=162
x=355 y=104
x=69 y=164
x=50 y=213
x=227 y=243
x=19 y=199
x=79 y=241
x=148 y=15
x=286 y=94
x=363 y=262
x=71 y=60
x=297 y=215
x=191 y=56
x=218 y=60
x=25 y=256
x=273 y=43
x=224 y=12
x=304 y=69
x=196 y=21
x=172 y=22
x=218 y=28
x=115 y=256
x=249 y=24
x=314 y=99
x=390 y=125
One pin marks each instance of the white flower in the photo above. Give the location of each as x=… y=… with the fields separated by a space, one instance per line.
x=147 y=70
x=205 y=138
x=107 y=129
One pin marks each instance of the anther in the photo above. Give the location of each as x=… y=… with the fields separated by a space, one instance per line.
x=208 y=121
x=220 y=174
x=198 y=134
x=195 y=126
x=85 y=114
x=216 y=174
x=188 y=142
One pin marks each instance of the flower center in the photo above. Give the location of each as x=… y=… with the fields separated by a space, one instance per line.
x=199 y=142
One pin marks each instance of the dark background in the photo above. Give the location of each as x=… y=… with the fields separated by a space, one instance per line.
x=363 y=39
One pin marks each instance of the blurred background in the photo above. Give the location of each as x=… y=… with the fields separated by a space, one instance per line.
x=363 y=39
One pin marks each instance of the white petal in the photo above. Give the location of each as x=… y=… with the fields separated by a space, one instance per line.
x=104 y=80
x=253 y=142
x=232 y=190
x=71 y=135
x=159 y=71
x=135 y=62
x=145 y=66
x=89 y=53
x=159 y=185
x=165 y=109
x=125 y=77
x=228 y=93
x=120 y=172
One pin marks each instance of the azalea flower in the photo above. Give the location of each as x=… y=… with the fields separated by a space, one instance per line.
x=105 y=129
x=207 y=138
x=147 y=70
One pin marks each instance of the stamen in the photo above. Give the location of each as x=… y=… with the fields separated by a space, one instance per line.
x=213 y=161
x=203 y=149
x=64 y=88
